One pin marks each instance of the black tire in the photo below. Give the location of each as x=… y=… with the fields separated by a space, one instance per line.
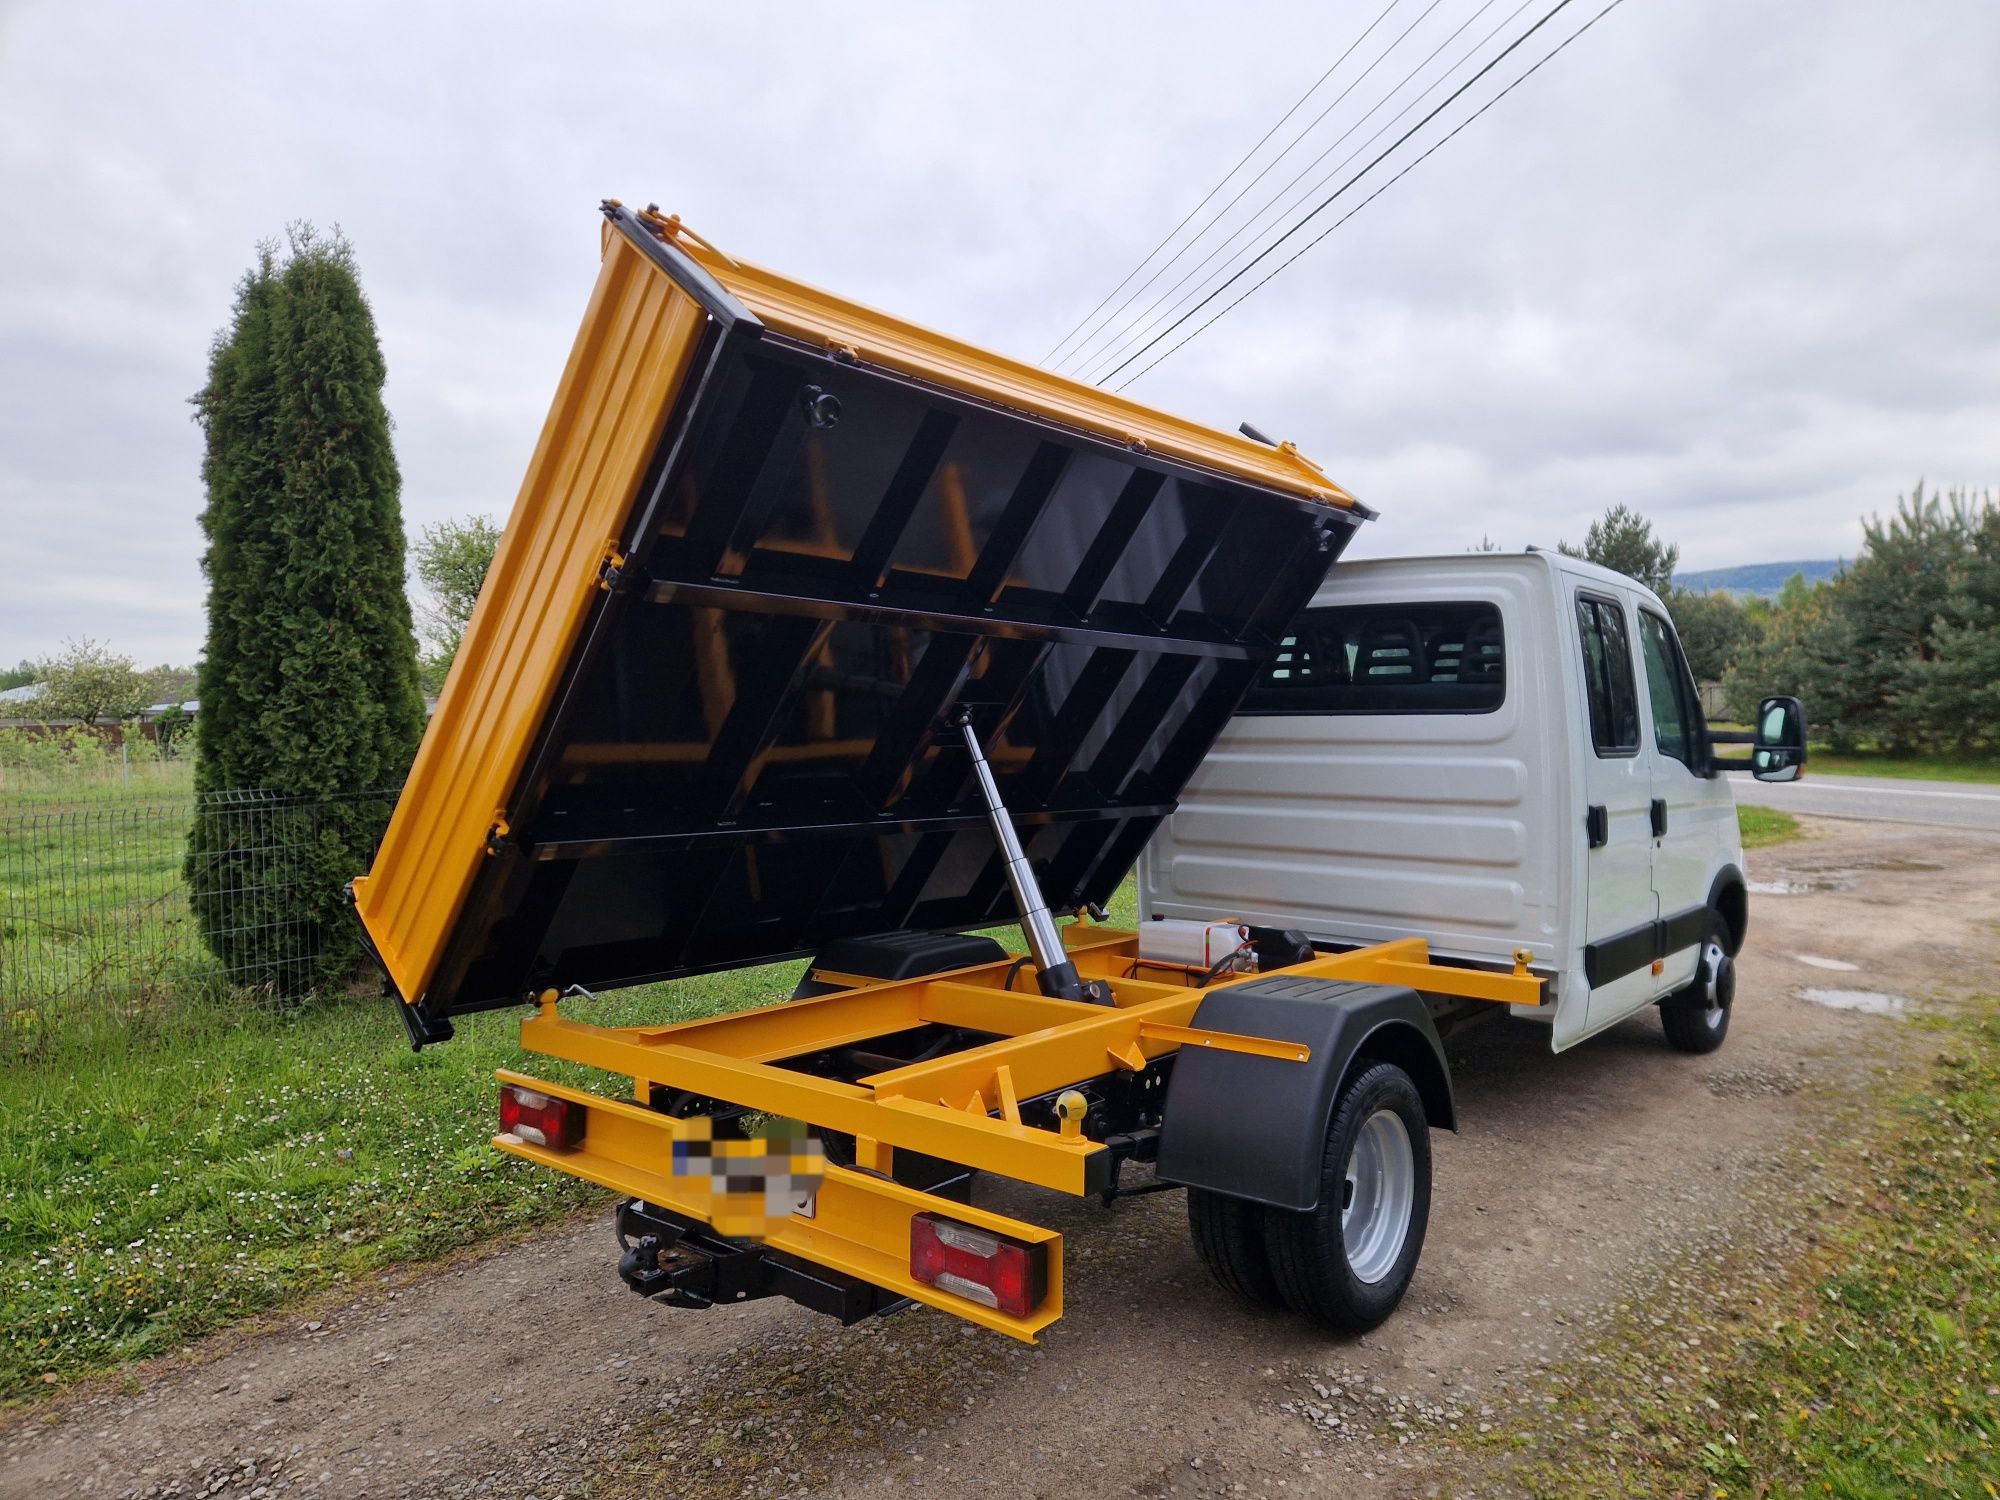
x=1696 y=1019
x=1229 y=1237
x=1310 y=1254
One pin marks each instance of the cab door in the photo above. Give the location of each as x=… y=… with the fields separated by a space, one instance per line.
x=1694 y=814
x=1620 y=908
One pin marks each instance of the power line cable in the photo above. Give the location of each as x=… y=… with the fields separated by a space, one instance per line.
x=1078 y=355
x=1400 y=175
x=1332 y=197
x=1221 y=182
x=1171 y=300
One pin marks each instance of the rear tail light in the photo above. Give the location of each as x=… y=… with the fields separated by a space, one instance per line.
x=978 y=1265
x=538 y=1119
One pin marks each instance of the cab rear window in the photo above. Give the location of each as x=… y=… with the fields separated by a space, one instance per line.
x=1387 y=659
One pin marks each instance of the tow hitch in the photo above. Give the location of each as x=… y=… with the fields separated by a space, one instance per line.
x=679 y=1263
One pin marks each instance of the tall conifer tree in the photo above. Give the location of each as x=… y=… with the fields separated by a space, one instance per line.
x=309 y=683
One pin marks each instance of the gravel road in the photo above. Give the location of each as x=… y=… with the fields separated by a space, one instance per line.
x=532 y=1372
x=1947 y=804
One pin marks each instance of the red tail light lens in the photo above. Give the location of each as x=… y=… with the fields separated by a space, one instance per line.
x=978 y=1265
x=540 y=1120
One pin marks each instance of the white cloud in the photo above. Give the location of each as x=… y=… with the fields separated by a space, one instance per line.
x=1730 y=264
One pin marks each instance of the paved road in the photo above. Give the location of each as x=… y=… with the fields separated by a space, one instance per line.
x=1953 y=804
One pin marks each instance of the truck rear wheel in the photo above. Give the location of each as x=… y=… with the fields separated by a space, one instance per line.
x=1696 y=1019
x=1228 y=1235
x=1346 y=1263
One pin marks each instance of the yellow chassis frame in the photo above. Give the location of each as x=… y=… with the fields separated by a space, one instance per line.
x=962 y=1107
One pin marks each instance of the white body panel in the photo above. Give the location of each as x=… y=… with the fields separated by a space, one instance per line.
x=1466 y=828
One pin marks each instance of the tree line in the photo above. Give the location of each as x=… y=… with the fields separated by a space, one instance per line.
x=1898 y=652
x=87 y=680
x=1901 y=650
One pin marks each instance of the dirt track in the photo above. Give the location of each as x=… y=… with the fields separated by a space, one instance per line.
x=533 y=1372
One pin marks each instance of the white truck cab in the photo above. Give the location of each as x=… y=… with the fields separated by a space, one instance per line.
x=1501 y=753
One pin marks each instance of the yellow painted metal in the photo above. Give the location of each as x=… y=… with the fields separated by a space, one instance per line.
x=1407 y=962
x=963 y=1107
x=791 y=307
x=1042 y=1045
x=936 y=1129
x=630 y=358
x=792 y=1027
x=860 y=1224
x=1225 y=1041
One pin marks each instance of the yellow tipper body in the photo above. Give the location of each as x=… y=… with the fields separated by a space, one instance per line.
x=630 y=358
x=629 y=373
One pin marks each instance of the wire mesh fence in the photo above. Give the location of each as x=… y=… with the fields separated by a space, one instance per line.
x=105 y=911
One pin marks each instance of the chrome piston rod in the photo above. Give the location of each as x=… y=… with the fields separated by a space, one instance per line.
x=1055 y=974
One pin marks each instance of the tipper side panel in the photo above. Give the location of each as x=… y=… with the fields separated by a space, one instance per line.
x=631 y=356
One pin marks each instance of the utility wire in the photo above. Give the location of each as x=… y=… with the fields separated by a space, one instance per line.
x=1171 y=301
x=1080 y=356
x=1298 y=104
x=1400 y=175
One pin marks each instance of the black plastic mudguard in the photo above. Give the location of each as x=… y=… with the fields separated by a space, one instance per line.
x=1255 y=1127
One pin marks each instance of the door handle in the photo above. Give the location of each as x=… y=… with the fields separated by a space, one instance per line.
x=1659 y=817
x=1597 y=825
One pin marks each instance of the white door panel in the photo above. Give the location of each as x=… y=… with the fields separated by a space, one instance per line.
x=1620 y=905
x=1699 y=812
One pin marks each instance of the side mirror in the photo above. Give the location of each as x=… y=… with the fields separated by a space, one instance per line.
x=1780 y=748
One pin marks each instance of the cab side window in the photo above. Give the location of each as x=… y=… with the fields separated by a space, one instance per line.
x=1418 y=657
x=1607 y=675
x=1676 y=725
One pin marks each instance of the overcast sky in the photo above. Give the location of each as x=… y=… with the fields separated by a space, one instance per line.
x=1736 y=264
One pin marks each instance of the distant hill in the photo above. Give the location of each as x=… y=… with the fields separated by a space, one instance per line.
x=1760 y=579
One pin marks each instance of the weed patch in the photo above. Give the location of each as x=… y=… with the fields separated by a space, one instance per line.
x=1862 y=1362
x=1762 y=827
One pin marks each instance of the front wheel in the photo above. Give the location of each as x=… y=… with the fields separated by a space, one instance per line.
x=1347 y=1262
x=1696 y=1019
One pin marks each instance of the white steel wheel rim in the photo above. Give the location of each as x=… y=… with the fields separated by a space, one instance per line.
x=1379 y=1194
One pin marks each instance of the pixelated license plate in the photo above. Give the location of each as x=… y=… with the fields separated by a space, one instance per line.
x=746 y=1185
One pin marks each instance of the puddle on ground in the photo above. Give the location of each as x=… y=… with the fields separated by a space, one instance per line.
x=1868 y=1002
x=1795 y=885
x=1838 y=965
x=1900 y=865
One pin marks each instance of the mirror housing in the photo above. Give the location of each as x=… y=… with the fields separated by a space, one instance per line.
x=1777 y=747
x=1780 y=750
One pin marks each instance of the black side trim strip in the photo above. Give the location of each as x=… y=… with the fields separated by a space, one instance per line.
x=1683 y=930
x=1613 y=958
x=1627 y=952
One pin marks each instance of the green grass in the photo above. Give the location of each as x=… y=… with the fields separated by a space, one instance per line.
x=1867 y=1368
x=1763 y=826
x=1914 y=767
x=94 y=917
x=93 y=779
x=158 y=1181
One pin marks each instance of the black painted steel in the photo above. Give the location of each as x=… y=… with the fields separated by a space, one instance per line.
x=746 y=760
